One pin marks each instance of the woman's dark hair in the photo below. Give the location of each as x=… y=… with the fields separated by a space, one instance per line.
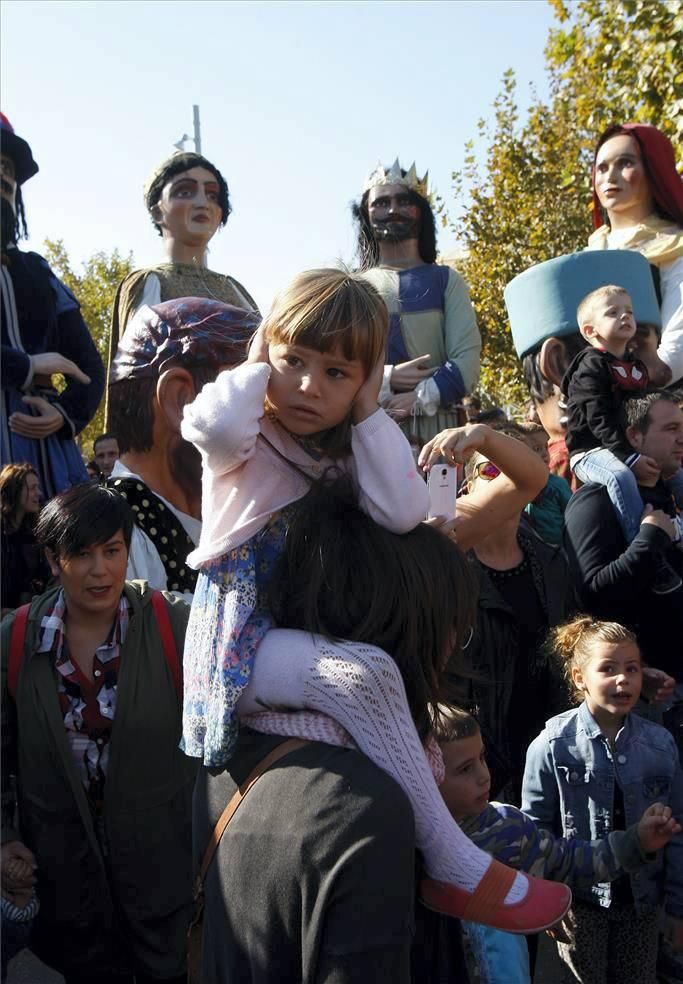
x=12 y=481
x=177 y=165
x=82 y=517
x=367 y=250
x=345 y=577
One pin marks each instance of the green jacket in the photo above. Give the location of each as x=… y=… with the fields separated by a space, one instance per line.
x=95 y=913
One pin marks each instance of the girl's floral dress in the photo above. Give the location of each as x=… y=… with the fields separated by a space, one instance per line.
x=228 y=620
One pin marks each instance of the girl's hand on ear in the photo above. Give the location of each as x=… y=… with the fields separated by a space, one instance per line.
x=258 y=350
x=367 y=397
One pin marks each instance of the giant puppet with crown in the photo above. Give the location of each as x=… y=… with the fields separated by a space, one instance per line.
x=434 y=341
x=43 y=336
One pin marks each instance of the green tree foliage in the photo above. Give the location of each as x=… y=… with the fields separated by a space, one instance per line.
x=95 y=288
x=529 y=198
x=623 y=57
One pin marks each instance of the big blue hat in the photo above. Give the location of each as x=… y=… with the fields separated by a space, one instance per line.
x=542 y=301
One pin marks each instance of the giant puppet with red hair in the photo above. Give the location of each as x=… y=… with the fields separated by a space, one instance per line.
x=638 y=205
x=43 y=334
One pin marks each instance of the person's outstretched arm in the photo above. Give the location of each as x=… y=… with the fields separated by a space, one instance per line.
x=523 y=475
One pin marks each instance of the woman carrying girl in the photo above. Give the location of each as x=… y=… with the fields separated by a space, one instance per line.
x=593 y=770
x=306 y=400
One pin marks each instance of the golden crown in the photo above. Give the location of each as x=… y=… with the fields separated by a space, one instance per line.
x=393 y=175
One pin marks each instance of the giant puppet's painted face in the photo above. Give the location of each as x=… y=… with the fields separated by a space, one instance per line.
x=189 y=210
x=393 y=213
x=621 y=181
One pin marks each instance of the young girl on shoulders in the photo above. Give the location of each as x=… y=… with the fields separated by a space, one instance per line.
x=306 y=401
x=594 y=770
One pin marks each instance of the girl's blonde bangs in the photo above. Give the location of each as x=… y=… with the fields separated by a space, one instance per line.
x=326 y=309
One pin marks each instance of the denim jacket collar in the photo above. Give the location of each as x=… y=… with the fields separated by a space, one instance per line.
x=593 y=730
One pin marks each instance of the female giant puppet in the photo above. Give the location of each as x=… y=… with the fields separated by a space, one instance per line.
x=638 y=204
x=43 y=334
x=187 y=200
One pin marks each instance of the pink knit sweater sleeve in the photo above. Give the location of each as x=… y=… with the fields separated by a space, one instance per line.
x=392 y=491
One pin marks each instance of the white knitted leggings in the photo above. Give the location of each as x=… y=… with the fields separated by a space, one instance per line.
x=361 y=688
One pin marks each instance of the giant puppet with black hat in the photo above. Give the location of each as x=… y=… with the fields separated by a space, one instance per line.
x=434 y=341
x=187 y=200
x=43 y=334
x=542 y=307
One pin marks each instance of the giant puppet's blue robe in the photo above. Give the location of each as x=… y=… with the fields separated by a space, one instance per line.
x=40 y=314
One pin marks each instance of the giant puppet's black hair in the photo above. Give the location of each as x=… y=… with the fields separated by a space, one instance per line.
x=14 y=225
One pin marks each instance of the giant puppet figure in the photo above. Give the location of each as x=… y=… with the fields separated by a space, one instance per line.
x=542 y=303
x=166 y=354
x=638 y=205
x=434 y=341
x=187 y=201
x=43 y=334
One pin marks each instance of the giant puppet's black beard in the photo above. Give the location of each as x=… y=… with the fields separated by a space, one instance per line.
x=8 y=224
x=396 y=230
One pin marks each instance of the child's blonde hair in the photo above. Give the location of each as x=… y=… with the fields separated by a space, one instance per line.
x=325 y=309
x=586 y=309
x=572 y=644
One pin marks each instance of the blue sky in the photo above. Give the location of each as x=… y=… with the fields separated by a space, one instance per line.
x=298 y=101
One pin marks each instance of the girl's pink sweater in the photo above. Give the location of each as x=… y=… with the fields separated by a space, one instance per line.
x=245 y=481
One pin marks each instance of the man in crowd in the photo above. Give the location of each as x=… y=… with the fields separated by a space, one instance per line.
x=615 y=578
x=166 y=355
x=434 y=341
x=43 y=334
x=106 y=449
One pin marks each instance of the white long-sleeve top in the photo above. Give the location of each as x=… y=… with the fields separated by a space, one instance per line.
x=245 y=479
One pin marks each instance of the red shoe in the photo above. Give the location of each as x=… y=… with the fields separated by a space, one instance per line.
x=544 y=904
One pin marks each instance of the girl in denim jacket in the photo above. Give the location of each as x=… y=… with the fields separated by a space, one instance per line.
x=593 y=770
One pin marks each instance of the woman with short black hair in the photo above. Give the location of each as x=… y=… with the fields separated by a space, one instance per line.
x=91 y=713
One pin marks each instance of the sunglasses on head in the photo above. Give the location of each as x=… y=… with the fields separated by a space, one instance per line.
x=487 y=470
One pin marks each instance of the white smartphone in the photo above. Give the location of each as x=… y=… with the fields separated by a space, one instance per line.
x=443 y=490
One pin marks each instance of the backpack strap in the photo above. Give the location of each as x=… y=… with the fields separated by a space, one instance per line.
x=16 y=648
x=168 y=639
